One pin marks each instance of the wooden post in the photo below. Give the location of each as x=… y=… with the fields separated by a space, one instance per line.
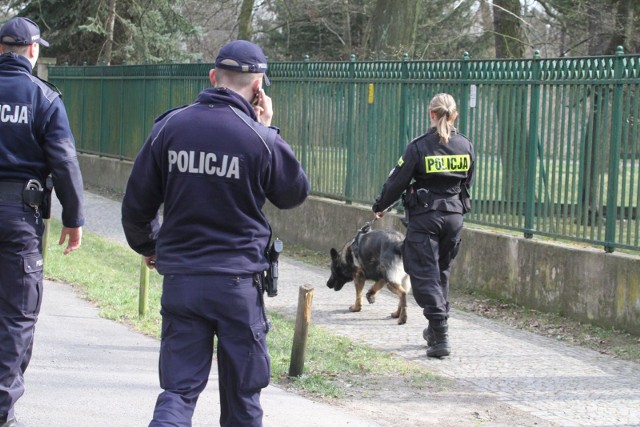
x=144 y=289
x=303 y=319
x=45 y=240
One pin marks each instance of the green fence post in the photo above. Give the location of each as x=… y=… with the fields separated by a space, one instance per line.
x=143 y=295
x=121 y=135
x=351 y=137
x=171 y=68
x=102 y=129
x=464 y=95
x=403 y=129
x=304 y=134
x=614 y=153
x=534 y=118
x=83 y=82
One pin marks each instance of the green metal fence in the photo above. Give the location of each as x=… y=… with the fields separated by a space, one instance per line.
x=556 y=140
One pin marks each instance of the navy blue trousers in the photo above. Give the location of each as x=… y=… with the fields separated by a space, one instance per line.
x=430 y=246
x=20 y=298
x=195 y=308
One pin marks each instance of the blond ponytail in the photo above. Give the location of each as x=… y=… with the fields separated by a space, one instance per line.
x=444 y=108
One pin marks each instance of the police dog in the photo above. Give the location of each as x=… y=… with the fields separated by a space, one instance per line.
x=372 y=255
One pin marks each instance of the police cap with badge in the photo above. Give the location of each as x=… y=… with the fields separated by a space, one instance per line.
x=21 y=31
x=243 y=56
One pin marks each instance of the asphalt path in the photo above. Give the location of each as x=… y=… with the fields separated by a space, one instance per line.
x=87 y=371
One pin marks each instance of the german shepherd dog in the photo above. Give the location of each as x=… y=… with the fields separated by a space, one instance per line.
x=372 y=255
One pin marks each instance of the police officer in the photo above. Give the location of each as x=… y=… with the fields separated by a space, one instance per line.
x=35 y=141
x=213 y=164
x=440 y=163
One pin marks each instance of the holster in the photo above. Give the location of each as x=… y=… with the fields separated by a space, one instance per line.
x=46 y=200
x=424 y=197
x=417 y=201
x=409 y=199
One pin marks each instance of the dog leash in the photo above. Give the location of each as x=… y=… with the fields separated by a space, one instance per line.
x=367 y=225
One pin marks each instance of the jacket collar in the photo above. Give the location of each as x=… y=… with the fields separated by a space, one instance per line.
x=223 y=95
x=12 y=59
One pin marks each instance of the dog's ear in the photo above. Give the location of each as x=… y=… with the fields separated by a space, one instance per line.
x=334 y=254
x=349 y=255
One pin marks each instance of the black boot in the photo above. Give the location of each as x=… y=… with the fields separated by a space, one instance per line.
x=429 y=335
x=440 y=348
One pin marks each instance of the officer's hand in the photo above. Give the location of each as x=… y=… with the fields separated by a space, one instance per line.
x=264 y=109
x=378 y=215
x=75 y=238
x=150 y=261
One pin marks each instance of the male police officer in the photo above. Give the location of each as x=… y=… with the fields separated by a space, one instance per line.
x=213 y=164
x=35 y=141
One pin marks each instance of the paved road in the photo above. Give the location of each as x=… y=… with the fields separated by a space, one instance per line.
x=547 y=382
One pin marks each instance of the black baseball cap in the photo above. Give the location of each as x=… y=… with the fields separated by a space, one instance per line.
x=20 y=31
x=243 y=57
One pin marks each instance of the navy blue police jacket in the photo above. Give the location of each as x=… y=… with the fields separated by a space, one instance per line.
x=213 y=166
x=35 y=137
x=442 y=169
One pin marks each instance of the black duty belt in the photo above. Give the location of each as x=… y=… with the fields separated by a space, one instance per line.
x=11 y=191
x=31 y=192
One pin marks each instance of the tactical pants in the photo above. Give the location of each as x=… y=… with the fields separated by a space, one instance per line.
x=195 y=308
x=20 y=298
x=431 y=244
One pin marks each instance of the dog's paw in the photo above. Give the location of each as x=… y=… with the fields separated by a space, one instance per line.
x=355 y=308
x=402 y=317
x=371 y=297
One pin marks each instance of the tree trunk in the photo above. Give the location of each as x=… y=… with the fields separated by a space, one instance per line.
x=512 y=120
x=245 y=29
x=108 y=44
x=347 y=27
x=392 y=29
x=623 y=28
x=486 y=17
x=507 y=24
x=589 y=176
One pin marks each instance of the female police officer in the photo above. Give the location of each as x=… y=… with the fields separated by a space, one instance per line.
x=436 y=171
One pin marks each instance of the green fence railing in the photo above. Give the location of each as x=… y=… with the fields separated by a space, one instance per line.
x=556 y=139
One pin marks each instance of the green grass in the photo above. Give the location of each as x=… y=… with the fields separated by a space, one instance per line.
x=108 y=274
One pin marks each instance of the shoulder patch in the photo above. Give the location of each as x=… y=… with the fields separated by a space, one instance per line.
x=400 y=162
